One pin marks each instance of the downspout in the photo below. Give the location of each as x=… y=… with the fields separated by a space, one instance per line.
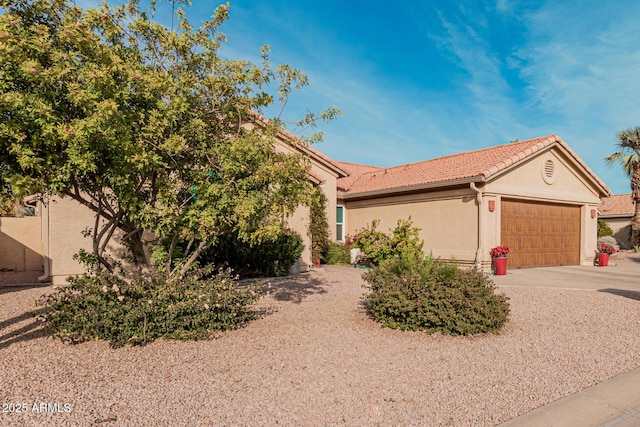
x=477 y=264
x=44 y=224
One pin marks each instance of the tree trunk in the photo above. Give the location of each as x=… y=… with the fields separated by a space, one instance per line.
x=635 y=194
x=635 y=225
x=137 y=246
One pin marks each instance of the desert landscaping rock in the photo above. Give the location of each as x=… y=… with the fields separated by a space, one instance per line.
x=318 y=359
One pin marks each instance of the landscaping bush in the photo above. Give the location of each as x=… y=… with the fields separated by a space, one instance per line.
x=138 y=311
x=379 y=246
x=267 y=259
x=318 y=229
x=337 y=253
x=604 y=229
x=419 y=293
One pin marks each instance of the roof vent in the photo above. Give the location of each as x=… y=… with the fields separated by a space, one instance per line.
x=548 y=171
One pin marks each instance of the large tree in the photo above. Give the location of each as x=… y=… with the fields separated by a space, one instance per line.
x=146 y=126
x=628 y=155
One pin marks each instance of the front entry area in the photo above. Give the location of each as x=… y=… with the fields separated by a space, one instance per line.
x=540 y=234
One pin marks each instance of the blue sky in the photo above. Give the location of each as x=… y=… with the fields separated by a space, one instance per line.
x=422 y=79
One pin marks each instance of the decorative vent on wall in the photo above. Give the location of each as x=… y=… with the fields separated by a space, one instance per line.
x=548 y=171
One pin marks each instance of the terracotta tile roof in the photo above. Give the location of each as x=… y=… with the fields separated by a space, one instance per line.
x=315 y=178
x=478 y=165
x=355 y=171
x=617 y=205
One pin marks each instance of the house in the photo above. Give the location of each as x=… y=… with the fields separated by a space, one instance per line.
x=535 y=196
x=617 y=212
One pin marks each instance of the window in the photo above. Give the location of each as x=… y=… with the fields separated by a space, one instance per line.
x=340 y=223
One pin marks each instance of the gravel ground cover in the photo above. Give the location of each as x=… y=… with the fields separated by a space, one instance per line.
x=317 y=359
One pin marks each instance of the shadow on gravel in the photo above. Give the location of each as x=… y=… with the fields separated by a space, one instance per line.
x=6 y=289
x=635 y=295
x=32 y=330
x=298 y=288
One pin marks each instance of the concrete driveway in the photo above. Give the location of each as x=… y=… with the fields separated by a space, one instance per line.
x=622 y=275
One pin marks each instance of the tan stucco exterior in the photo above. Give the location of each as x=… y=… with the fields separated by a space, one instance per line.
x=447 y=219
x=21 y=244
x=65 y=222
x=621 y=227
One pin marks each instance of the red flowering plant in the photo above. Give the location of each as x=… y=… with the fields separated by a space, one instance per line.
x=499 y=252
x=350 y=240
x=606 y=249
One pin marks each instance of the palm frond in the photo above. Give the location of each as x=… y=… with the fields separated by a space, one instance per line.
x=629 y=139
x=628 y=154
x=611 y=159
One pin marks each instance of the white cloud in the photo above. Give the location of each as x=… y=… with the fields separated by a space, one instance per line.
x=581 y=64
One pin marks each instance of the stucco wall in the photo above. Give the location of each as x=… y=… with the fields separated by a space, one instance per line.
x=448 y=220
x=68 y=219
x=298 y=222
x=21 y=244
x=620 y=227
x=589 y=241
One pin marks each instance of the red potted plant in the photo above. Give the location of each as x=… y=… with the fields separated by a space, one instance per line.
x=604 y=251
x=499 y=255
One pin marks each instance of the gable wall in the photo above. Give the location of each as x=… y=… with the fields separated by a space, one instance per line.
x=528 y=180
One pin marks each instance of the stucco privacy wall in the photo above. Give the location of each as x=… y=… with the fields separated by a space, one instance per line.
x=530 y=181
x=21 y=244
x=448 y=220
x=621 y=230
x=67 y=222
x=617 y=212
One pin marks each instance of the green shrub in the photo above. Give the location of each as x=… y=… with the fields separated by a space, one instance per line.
x=604 y=229
x=138 y=311
x=379 y=246
x=420 y=293
x=318 y=224
x=267 y=259
x=337 y=253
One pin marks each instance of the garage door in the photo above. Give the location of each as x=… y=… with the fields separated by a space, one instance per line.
x=540 y=234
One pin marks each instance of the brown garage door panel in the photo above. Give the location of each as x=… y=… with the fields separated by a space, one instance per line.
x=540 y=234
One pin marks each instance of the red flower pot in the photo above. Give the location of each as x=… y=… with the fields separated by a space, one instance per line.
x=500 y=266
x=603 y=259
